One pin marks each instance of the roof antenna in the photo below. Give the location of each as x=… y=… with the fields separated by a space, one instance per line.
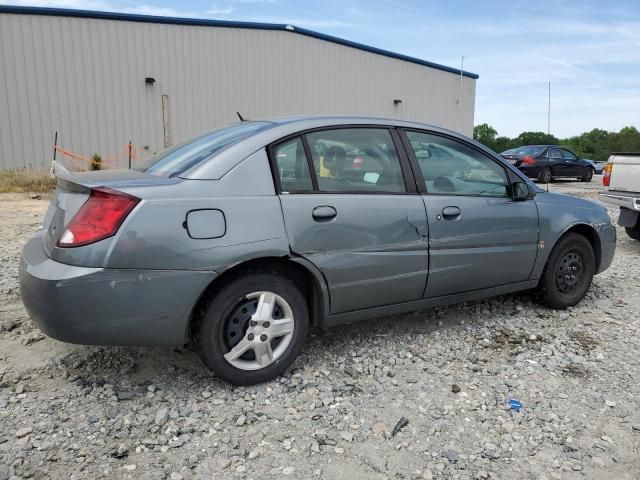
x=240 y=117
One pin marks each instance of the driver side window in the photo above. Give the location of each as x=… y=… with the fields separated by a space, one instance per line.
x=451 y=168
x=356 y=160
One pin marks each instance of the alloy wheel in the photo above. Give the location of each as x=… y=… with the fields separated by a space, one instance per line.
x=257 y=331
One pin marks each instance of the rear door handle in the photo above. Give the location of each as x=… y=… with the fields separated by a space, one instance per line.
x=451 y=213
x=324 y=213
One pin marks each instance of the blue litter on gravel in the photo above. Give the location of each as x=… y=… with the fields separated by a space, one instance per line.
x=515 y=405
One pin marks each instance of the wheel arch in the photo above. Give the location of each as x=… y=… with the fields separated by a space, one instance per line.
x=591 y=234
x=304 y=274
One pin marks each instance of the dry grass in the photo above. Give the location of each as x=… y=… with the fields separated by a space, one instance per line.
x=26 y=181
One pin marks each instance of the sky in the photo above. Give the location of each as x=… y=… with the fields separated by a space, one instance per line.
x=589 y=50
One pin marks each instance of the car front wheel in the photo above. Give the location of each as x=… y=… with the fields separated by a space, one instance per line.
x=568 y=273
x=253 y=328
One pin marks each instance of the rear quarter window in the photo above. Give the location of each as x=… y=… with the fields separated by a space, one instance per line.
x=179 y=158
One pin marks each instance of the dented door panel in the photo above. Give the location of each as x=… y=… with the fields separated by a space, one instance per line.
x=373 y=252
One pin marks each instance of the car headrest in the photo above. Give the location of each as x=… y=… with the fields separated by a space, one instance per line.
x=443 y=184
x=335 y=158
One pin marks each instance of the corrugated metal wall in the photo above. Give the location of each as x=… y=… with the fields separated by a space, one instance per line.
x=85 y=78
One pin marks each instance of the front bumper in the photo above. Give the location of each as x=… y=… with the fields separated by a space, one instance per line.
x=622 y=199
x=607 y=237
x=96 y=306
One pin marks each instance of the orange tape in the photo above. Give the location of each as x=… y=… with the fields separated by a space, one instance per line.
x=110 y=161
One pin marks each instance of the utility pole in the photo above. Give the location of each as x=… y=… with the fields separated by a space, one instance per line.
x=549 y=112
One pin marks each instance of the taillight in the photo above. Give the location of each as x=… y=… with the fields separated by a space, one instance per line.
x=606 y=179
x=528 y=160
x=357 y=162
x=99 y=217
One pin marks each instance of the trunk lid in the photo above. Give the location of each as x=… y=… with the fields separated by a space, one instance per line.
x=512 y=159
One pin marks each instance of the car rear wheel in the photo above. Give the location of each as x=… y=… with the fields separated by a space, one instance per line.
x=545 y=175
x=587 y=176
x=633 y=232
x=568 y=273
x=253 y=328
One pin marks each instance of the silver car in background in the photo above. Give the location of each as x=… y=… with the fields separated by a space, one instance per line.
x=239 y=240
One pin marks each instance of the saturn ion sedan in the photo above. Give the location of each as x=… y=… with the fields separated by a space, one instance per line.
x=240 y=240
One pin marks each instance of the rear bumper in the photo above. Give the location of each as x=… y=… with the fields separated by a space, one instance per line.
x=96 y=306
x=622 y=199
x=531 y=172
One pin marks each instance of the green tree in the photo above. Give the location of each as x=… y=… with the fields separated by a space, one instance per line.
x=485 y=134
x=592 y=144
x=503 y=143
x=536 y=138
x=626 y=140
x=596 y=144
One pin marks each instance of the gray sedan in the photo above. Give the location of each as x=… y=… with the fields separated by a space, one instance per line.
x=240 y=240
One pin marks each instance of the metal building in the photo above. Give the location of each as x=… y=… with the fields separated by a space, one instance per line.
x=103 y=79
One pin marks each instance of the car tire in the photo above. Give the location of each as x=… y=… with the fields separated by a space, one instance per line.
x=588 y=176
x=569 y=272
x=232 y=319
x=633 y=232
x=545 y=175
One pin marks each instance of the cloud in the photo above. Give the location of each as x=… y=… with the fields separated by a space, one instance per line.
x=105 y=6
x=76 y=4
x=215 y=10
x=297 y=21
x=144 y=9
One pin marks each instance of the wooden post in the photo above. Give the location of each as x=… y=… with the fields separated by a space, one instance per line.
x=165 y=121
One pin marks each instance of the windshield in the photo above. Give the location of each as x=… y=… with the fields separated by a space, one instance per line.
x=531 y=150
x=179 y=158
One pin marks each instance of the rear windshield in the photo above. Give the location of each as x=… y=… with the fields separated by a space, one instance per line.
x=180 y=157
x=526 y=150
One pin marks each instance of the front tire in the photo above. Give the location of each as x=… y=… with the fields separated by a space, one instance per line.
x=568 y=273
x=253 y=328
x=545 y=175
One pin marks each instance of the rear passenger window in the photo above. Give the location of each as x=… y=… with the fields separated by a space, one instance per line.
x=356 y=160
x=451 y=168
x=555 y=153
x=293 y=168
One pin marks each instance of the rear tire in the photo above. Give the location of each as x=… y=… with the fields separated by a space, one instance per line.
x=588 y=176
x=633 y=232
x=569 y=271
x=253 y=328
x=545 y=175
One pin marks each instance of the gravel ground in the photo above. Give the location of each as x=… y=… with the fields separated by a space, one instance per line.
x=71 y=412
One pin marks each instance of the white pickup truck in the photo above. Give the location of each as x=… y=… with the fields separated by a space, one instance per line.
x=622 y=176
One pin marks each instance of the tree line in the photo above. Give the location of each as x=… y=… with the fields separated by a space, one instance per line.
x=597 y=144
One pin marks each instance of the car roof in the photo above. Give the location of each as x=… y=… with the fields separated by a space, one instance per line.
x=285 y=126
x=542 y=146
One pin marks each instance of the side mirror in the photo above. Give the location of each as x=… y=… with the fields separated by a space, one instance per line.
x=521 y=191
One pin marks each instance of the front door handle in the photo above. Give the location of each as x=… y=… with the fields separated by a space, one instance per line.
x=324 y=213
x=451 y=213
